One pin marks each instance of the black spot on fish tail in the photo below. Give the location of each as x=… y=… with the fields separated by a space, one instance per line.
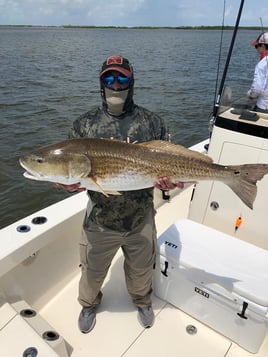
x=244 y=181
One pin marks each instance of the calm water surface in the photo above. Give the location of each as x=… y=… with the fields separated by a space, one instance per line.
x=49 y=76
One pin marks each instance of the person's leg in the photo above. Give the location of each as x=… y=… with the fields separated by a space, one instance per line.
x=139 y=252
x=97 y=249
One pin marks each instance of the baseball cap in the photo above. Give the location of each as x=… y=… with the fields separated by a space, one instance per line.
x=262 y=38
x=117 y=63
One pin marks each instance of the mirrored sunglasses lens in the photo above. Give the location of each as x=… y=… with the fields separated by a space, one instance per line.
x=123 y=80
x=108 y=80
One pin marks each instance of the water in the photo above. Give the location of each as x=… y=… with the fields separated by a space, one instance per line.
x=49 y=76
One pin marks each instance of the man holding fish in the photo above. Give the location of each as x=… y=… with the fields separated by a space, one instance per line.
x=125 y=220
x=119 y=177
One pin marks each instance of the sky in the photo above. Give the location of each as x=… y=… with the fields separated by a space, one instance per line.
x=132 y=12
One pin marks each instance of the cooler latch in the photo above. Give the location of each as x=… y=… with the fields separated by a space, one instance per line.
x=164 y=272
x=242 y=313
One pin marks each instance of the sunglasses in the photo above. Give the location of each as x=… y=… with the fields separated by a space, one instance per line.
x=258 y=45
x=110 y=79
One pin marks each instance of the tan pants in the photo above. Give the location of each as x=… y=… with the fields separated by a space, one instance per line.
x=98 y=247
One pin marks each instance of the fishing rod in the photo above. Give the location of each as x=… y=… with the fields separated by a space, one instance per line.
x=218 y=98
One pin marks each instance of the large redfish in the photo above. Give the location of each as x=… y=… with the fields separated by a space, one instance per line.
x=107 y=165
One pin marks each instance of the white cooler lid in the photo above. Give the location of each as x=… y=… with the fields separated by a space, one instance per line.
x=236 y=265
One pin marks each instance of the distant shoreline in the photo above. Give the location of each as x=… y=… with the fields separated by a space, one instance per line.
x=140 y=27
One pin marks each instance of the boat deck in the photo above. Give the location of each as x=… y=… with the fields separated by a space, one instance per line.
x=118 y=332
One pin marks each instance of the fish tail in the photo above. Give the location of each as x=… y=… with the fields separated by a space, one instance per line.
x=244 y=181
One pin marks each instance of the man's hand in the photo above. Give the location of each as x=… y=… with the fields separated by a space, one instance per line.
x=70 y=188
x=164 y=183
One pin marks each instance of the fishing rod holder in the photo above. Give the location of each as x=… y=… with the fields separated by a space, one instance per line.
x=25 y=228
x=39 y=220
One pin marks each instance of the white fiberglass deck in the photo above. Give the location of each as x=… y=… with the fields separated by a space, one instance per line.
x=118 y=332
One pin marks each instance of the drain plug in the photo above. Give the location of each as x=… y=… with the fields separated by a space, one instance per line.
x=28 y=313
x=50 y=335
x=191 y=329
x=30 y=352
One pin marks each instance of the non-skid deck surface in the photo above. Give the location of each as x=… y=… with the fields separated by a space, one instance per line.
x=118 y=332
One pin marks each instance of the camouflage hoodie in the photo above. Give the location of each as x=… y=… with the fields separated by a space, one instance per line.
x=126 y=211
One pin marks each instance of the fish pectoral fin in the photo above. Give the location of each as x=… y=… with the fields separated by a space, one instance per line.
x=114 y=193
x=106 y=193
x=166 y=146
x=79 y=163
x=94 y=181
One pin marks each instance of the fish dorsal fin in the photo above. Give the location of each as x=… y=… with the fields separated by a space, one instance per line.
x=166 y=146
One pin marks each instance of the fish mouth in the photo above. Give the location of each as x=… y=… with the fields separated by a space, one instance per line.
x=30 y=174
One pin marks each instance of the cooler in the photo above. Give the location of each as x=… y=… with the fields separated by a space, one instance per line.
x=218 y=279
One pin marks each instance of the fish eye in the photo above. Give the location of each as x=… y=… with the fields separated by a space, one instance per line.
x=40 y=160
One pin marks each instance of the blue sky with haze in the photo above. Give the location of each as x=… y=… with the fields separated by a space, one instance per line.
x=131 y=12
